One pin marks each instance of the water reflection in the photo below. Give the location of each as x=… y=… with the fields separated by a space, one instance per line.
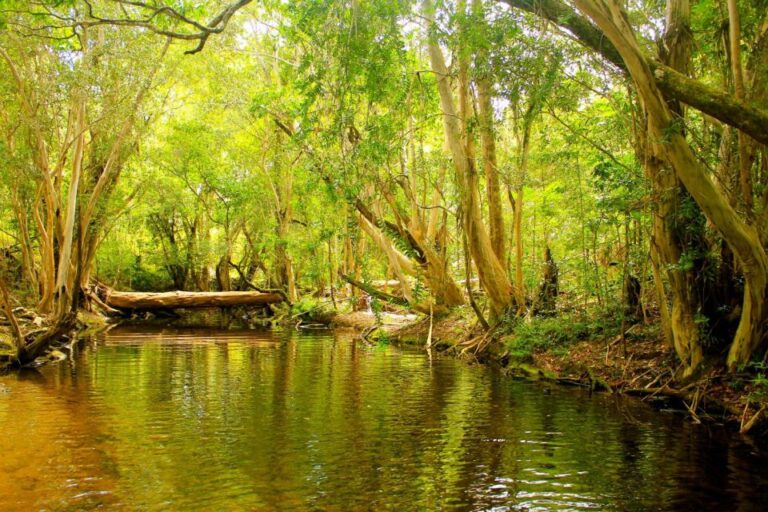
x=211 y=420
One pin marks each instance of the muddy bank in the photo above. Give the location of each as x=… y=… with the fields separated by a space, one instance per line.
x=59 y=348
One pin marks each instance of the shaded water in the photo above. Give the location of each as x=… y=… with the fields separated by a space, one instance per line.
x=211 y=420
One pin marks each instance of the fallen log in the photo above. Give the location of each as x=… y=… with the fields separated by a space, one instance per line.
x=178 y=299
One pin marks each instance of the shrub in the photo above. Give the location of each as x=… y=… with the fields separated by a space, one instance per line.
x=556 y=334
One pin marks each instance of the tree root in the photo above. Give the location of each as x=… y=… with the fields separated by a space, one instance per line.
x=697 y=401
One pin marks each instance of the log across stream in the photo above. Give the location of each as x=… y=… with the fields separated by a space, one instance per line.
x=181 y=299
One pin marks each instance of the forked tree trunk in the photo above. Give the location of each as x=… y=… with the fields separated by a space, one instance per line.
x=493 y=275
x=400 y=264
x=428 y=263
x=683 y=328
x=431 y=260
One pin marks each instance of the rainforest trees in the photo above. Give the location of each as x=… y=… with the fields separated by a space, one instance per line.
x=301 y=147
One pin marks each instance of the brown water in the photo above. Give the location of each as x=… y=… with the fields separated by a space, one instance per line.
x=211 y=420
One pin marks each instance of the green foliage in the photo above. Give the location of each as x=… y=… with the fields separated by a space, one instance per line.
x=306 y=304
x=544 y=334
x=759 y=392
x=754 y=379
x=556 y=334
x=255 y=152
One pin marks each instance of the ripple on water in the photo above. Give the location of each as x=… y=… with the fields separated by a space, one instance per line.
x=244 y=420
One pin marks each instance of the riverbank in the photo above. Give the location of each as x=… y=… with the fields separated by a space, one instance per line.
x=31 y=324
x=592 y=353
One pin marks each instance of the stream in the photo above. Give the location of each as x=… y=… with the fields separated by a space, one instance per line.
x=147 y=418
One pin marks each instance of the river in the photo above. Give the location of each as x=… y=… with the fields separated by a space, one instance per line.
x=170 y=419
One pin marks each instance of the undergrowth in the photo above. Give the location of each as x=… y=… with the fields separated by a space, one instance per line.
x=557 y=334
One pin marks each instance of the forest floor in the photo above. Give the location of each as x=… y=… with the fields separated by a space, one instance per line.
x=564 y=351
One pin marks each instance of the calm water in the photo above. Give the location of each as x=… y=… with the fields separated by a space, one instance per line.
x=210 y=420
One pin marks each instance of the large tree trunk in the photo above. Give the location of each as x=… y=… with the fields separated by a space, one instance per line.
x=64 y=292
x=684 y=331
x=488 y=142
x=668 y=198
x=741 y=237
x=493 y=275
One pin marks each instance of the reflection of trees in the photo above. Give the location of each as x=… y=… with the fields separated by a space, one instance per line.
x=205 y=418
x=54 y=448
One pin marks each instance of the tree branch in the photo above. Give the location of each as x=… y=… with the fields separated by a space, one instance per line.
x=201 y=32
x=717 y=104
x=373 y=292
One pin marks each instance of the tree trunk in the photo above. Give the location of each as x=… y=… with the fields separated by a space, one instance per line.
x=745 y=165
x=548 y=289
x=428 y=262
x=667 y=195
x=493 y=275
x=64 y=293
x=741 y=237
x=488 y=141
x=222 y=273
x=517 y=222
